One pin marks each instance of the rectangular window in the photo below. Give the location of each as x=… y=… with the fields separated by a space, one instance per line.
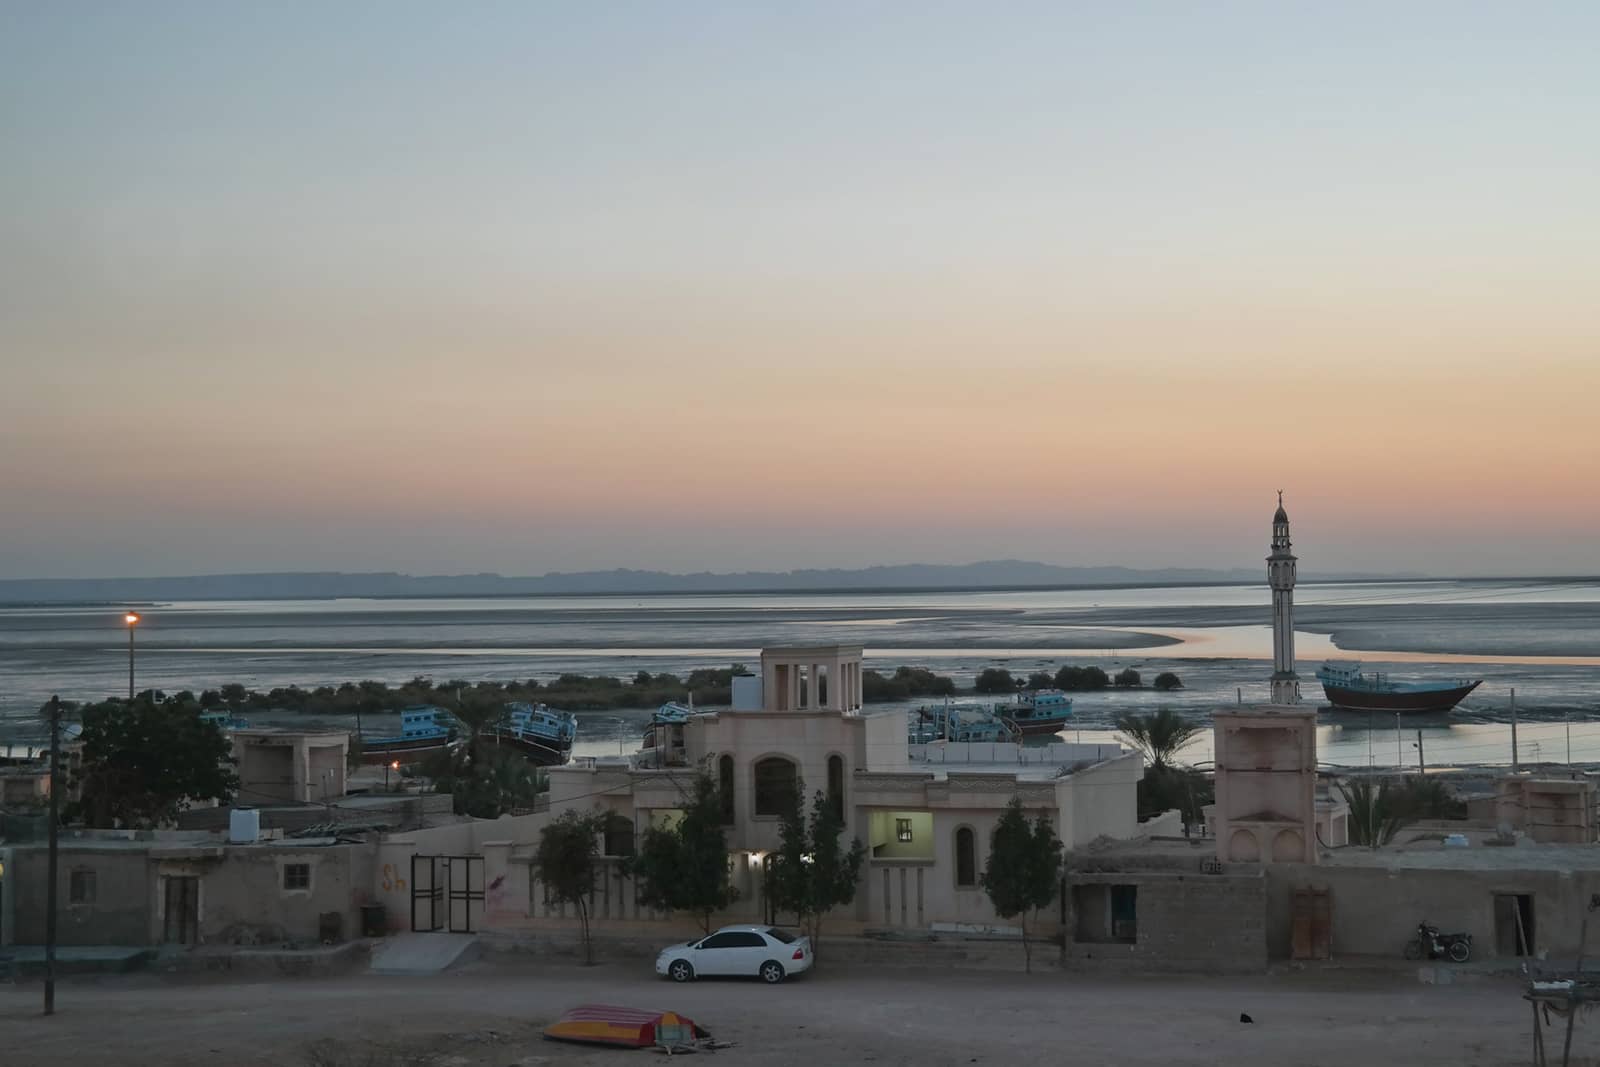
x=80 y=887
x=902 y=829
x=297 y=876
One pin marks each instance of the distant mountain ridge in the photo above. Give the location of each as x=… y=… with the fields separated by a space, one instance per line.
x=1005 y=573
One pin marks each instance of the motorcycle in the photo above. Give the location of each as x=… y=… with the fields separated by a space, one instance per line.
x=1430 y=942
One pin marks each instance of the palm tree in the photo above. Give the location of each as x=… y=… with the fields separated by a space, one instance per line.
x=478 y=711
x=1374 y=818
x=1158 y=735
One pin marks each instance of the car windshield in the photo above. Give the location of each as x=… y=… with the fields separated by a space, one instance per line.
x=781 y=935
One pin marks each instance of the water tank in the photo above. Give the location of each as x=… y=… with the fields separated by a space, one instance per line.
x=747 y=693
x=244 y=826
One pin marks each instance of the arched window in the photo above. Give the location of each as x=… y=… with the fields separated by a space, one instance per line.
x=966 y=857
x=777 y=785
x=836 y=786
x=725 y=788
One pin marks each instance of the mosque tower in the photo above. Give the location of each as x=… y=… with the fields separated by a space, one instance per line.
x=1280 y=575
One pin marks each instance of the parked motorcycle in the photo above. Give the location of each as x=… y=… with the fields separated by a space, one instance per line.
x=1431 y=943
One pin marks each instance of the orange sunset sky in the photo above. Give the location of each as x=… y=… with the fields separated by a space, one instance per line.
x=531 y=287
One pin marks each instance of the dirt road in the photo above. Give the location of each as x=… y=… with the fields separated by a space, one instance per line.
x=489 y=1014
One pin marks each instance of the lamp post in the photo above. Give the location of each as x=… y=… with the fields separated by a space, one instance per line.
x=132 y=621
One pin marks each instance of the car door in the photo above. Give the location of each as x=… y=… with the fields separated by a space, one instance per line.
x=717 y=954
x=750 y=953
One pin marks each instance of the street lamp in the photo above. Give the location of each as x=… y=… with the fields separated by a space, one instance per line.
x=386 y=766
x=132 y=621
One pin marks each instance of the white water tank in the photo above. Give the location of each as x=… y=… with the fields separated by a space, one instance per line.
x=244 y=826
x=747 y=692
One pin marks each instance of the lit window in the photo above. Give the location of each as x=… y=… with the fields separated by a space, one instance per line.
x=297 y=876
x=902 y=829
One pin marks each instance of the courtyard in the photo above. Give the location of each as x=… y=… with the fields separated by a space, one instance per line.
x=489 y=1015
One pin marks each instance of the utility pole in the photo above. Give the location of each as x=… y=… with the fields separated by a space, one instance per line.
x=1399 y=750
x=1567 y=719
x=1369 y=740
x=1515 y=765
x=50 y=877
x=1422 y=768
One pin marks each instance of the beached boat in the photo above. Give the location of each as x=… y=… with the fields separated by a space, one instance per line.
x=1348 y=687
x=1043 y=711
x=667 y=715
x=424 y=730
x=959 y=722
x=541 y=734
x=224 y=720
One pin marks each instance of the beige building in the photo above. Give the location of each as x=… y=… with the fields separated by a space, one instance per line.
x=289 y=766
x=1551 y=810
x=924 y=812
x=1266 y=785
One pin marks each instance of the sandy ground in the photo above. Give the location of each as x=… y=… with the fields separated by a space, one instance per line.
x=488 y=1016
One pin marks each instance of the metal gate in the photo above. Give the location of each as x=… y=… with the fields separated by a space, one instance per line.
x=446 y=893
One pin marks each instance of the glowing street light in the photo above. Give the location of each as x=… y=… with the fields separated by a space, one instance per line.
x=132 y=621
x=386 y=768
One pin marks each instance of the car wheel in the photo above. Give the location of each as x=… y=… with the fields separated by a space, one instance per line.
x=772 y=972
x=680 y=971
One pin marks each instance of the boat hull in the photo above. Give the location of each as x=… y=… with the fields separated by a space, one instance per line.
x=537 y=751
x=405 y=750
x=1039 y=727
x=1405 y=703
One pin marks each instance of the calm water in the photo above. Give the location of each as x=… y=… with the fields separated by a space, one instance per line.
x=1540 y=637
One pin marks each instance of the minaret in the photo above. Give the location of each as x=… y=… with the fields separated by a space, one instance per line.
x=1280 y=575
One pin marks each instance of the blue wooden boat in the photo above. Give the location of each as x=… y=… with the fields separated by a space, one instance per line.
x=668 y=715
x=1042 y=711
x=959 y=722
x=424 y=730
x=1348 y=687
x=543 y=735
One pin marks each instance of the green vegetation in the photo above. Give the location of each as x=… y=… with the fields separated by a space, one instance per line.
x=1166 y=784
x=1081 y=679
x=1167 y=681
x=904 y=683
x=1126 y=679
x=812 y=873
x=996 y=680
x=1374 y=814
x=142 y=761
x=1023 y=870
x=685 y=867
x=565 y=863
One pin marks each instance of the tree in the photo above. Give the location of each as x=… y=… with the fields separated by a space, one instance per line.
x=1127 y=679
x=1167 y=681
x=1166 y=784
x=1024 y=868
x=995 y=680
x=565 y=863
x=685 y=867
x=1374 y=814
x=811 y=873
x=1081 y=678
x=141 y=762
x=1159 y=735
x=1040 y=680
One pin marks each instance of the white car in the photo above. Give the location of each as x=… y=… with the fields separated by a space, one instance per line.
x=763 y=952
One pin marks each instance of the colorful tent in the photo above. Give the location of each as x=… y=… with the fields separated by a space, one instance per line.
x=606 y=1024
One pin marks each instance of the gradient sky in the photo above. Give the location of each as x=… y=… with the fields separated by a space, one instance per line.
x=536 y=286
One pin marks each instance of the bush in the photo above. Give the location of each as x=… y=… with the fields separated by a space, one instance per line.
x=1040 y=680
x=1078 y=679
x=1127 y=679
x=1166 y=680
x=995 y=680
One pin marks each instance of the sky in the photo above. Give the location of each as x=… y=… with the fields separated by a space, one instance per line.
x=562 y=286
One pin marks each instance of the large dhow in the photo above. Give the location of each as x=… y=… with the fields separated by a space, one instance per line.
x=541 y=734
x=424 y=730
x=1348 y=687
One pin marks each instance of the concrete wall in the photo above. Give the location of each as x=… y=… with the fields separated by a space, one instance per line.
x=118 y=914
x=1210 y=922
x=1375 y=910
x=1100 y=801
x=243 y=899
